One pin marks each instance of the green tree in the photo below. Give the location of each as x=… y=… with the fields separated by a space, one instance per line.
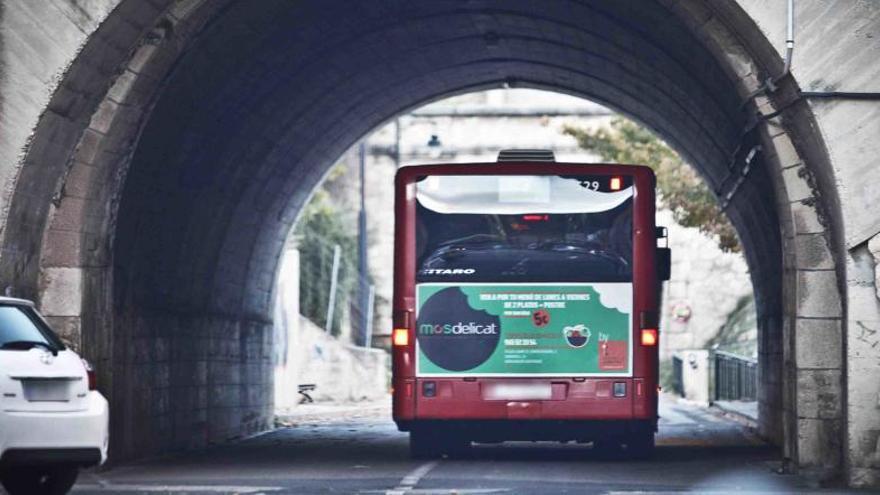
x=739 y=333
x=326 y=222
x=681 y=190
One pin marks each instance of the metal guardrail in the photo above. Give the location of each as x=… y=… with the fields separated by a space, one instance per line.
x=736 y=377
x=677 y=380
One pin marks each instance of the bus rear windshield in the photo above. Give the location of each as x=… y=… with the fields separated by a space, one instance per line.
x=517 y=228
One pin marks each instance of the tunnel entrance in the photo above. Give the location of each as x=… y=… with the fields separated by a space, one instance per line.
x=708 y=304
x=166 y=205
x=266 y=137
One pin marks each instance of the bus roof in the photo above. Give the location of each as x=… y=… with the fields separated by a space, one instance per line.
x=411 y=172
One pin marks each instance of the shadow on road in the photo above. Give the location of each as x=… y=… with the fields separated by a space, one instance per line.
x=516 y=451
x=364 y=453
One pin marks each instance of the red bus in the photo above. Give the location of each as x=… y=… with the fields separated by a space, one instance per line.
x=525 y=305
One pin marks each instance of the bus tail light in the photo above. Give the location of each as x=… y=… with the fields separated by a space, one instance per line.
x=616 y=183
x=535 y=218
x=400 y=337
x=649 y=337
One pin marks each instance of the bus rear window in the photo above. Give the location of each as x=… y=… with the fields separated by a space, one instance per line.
x=524 y=228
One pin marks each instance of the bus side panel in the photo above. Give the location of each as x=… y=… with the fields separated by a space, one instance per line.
x=403 y=307
x=645 y=300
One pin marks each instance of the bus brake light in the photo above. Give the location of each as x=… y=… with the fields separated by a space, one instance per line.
x=535 y=218
x=401 y=337
x=649 y=337
x=616 y=183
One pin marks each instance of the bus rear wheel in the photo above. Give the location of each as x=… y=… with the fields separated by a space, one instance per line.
x=640 y=445
x=432 y=444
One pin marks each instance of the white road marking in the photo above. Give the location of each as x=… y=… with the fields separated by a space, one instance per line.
x=455 y=491
x=176 y=488
x=643 y=492
x=412 y=478
x=441 y=491
x=706 y=491
x=407 y=485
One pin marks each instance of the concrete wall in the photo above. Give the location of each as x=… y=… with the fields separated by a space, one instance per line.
x=704 y=280
x=306 y=354
x=341 y=372
x=695 y=375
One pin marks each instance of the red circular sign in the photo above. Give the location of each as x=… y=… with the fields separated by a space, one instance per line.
x=541 y=318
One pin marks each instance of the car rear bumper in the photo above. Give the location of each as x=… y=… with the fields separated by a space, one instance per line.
x=34 y=457
x=76 y=437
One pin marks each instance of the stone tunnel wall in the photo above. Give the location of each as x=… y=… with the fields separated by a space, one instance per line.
x=77 y=81
x=837 y=341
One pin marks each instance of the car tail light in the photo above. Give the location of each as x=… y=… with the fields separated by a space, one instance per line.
x=401 y=337
x=649 y=337
x=90 y=373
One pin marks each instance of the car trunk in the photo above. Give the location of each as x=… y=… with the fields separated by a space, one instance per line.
x=36 y=381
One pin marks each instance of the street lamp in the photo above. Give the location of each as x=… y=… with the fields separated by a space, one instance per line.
x=435 y=147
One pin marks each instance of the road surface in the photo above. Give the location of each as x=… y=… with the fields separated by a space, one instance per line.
x=360 y=451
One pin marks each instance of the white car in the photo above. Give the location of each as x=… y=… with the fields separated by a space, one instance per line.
x=53 y=421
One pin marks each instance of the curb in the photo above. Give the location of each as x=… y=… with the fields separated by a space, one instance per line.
x=735 y=415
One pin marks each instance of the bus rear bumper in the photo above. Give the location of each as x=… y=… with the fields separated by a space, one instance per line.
x=491 y=431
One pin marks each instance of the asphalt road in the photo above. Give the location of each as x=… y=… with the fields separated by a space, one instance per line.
x=360 y=451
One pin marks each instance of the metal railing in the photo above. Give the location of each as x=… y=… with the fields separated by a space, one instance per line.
x=736 y=377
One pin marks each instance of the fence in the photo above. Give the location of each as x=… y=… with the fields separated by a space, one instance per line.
x=333 y=293
x=736 y=377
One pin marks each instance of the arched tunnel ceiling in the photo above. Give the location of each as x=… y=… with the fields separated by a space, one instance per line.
x=266 y=99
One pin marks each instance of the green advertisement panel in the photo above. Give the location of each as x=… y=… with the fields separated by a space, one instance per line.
x=582 y=329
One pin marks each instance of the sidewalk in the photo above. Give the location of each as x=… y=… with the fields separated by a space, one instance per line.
x=746 y=410
x=319 y=412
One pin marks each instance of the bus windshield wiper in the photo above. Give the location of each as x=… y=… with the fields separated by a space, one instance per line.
x=580 y=246
x=473 y=239
x=29 y=344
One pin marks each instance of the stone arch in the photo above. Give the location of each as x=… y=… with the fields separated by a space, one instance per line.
x=812 y=368
x=183 y=139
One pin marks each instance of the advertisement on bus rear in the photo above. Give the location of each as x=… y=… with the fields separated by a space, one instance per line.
x=508 y=330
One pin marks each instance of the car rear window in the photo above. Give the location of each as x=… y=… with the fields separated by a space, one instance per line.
x=19 y=323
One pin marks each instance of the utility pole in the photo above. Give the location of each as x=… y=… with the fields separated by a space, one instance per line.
x=371 y=299
x=334 y=280
x=363 y=267
x=397 y=143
